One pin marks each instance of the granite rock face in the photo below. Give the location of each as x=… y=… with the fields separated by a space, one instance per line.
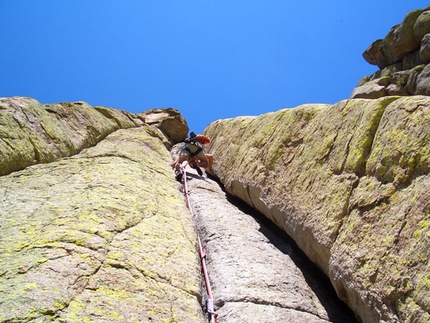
x=97 y=230
x=350 y=184
x=33 y=133
x=402 y=56
x=100 y=232
x=257 y=275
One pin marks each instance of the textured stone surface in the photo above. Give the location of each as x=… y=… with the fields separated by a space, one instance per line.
x=401 y=39
x=374 y=89
x=423 y=81
x=32 y=133
x=404 y=48
x=256 y=274
x=122 y=118
x=425 y=49
x=169 y=121
x=350 y=184
x=103 y=236
x=422 y=25
x=404 y=83
x=412 y=59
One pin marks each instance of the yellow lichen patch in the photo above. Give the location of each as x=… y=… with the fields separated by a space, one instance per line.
x=73 y=227
x=348 y=182
x=404 y=119
x=424 y=229
x=368 y=116
x=115 y=294
x=75 y=309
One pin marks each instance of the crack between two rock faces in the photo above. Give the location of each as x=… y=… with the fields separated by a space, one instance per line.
x=377 y=120
x=267 y=303
x=360 y=173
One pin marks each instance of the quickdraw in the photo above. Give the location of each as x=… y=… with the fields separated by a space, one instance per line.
x=202 y=252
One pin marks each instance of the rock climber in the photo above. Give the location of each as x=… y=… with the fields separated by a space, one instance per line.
x=193 y=152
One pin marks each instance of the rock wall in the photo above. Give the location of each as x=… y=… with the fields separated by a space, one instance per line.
x=350 y=184
x=256 y=274
x=33 y=133
x=100 y=236
x=403 y=58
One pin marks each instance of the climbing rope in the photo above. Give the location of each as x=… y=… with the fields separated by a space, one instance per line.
x=202 y=253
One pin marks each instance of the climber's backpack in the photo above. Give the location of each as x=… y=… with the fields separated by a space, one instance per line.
x=196 y=140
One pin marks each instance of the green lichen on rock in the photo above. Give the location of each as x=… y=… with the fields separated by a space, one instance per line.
x=349 y=183
x=395 y=156
x=32 y=133
x=105 y=233
x=367 y=123
x=384 y=248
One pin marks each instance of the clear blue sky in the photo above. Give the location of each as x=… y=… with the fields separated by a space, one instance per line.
x=210 y=59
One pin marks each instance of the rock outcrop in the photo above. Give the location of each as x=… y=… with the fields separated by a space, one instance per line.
x=33 y=133
x=97 y=229
x=169 y=121
x=403 y=58
x=350 y=184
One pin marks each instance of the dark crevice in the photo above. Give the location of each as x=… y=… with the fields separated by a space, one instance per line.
x=341 y=170
x=337 y=310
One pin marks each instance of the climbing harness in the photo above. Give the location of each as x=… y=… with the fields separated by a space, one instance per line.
x=202 y=253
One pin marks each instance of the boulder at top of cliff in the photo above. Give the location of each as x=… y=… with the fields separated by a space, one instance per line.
x=169 y=121
x=374 y=89
x=350 y=184
x=425 y=48
x=401 y=39
x=404 y=48
x=422 y=25
x=423 y=81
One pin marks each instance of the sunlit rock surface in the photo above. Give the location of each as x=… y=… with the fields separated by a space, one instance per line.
x=33 y=133
x=100 y=236
x=169 y=121
x=403 y=58
x=350 y=184
x=257 y=275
